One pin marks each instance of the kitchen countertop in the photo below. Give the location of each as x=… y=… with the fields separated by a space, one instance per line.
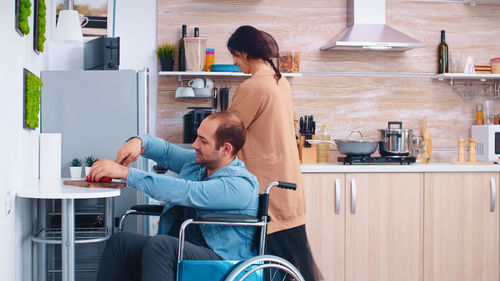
x=393 y=168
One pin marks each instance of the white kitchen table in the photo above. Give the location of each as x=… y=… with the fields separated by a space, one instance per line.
x=55 y=189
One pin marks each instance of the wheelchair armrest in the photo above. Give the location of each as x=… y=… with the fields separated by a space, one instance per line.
x=227 y=218
x=148 y=209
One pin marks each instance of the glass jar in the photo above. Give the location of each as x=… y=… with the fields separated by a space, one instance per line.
x=417 y=150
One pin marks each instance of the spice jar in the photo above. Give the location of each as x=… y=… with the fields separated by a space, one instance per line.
x=479 y=114
x=496 y=119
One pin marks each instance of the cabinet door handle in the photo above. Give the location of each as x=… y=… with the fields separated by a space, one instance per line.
x=493 y=195
x=353 y=196
x=337 y=196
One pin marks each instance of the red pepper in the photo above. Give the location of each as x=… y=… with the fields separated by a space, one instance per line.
x=103 y=179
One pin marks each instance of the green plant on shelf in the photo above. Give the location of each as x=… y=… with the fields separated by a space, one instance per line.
x=75 y=162
x=33 y=84
x=165 y=51
x=42 y=11
x=90 y=160
x=24 y=13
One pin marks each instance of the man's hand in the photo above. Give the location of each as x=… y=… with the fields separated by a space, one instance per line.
x=108 y=168
x=129 y=152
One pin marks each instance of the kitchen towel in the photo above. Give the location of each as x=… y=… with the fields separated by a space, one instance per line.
x=50 y=156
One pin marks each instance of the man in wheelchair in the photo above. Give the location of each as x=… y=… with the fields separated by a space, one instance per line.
x=211 y=180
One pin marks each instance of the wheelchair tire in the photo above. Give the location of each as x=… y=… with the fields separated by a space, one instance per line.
x=275 y=268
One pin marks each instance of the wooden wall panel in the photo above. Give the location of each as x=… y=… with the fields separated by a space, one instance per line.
x=345 y=103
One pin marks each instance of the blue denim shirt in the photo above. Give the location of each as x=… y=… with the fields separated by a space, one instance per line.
x=231 y=189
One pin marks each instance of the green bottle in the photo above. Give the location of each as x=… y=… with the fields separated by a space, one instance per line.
x=442 y=55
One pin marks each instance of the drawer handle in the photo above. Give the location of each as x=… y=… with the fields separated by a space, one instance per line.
x=353 y=196
x=493 y=195
x=337 y=196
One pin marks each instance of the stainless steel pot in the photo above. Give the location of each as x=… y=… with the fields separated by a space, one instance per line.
x=395 y=141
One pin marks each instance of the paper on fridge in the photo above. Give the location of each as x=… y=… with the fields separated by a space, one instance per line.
x=50 y=156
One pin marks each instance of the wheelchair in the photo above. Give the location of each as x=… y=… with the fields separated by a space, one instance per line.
x=259 y=268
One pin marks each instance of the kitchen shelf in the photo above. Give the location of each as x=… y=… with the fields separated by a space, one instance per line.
x=471 y=85
x=463 y=77
x=214 y=74
x=82 y=235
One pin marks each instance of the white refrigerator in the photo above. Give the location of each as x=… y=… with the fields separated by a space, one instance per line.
x=95 y=112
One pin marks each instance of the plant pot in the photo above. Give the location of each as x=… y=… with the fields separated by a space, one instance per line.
x=167 y=64
x=87 y=170
x=76 y=172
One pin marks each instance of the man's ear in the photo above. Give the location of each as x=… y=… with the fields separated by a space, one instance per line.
x=227 y=148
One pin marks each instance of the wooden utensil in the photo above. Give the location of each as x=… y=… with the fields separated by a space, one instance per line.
x=83 y=183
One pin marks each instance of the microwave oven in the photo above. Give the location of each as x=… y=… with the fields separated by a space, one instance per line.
x=487 y=142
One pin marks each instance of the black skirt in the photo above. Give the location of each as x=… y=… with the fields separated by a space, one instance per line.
x=292 y=245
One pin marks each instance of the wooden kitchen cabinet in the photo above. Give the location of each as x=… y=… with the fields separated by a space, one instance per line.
x=325 y=222
x=378 y=233
x=461 y=230
x=384 y=231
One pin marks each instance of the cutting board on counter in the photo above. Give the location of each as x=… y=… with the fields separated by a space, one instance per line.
x=83 y=183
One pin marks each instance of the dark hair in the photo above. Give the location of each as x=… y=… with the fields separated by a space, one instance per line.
x=230 y=129
x=256 y=44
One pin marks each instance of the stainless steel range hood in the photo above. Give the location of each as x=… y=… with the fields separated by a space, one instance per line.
x=366 y=30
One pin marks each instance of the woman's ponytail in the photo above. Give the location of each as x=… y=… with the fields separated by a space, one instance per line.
x=277 y=73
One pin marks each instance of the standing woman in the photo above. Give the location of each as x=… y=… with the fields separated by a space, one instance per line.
x=265 y=105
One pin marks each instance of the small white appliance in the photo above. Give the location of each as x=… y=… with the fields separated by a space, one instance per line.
x=487 y=141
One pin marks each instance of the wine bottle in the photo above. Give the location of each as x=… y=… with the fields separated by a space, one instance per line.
x=182 y=52
x=196 y=32
x=442 y=55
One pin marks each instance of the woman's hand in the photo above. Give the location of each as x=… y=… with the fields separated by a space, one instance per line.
x=129 y=152
x=107 y=168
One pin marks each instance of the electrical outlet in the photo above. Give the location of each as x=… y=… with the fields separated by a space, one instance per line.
x=8 y=203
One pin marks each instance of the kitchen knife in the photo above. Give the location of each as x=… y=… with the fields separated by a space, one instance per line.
x=221 y=98
x=215 y=97
x=226 y=99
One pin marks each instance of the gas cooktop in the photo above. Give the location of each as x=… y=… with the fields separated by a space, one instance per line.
x=356 y=160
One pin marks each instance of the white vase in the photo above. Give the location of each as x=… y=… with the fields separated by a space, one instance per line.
x=76 y=172
x=87 y=170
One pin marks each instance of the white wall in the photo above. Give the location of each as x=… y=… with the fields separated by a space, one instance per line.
x=19 y=147
x=136 y=26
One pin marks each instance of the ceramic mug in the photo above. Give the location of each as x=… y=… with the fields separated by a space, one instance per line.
x=83 y=20
x=197 y=83
x=183 y=92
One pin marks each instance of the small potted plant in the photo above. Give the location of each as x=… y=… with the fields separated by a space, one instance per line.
x=75 y=168
x=165 y=53
x=89 y=161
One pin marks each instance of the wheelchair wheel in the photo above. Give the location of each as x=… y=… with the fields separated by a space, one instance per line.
x=265 y=268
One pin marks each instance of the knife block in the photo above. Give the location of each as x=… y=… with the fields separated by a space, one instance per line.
x=307 y=155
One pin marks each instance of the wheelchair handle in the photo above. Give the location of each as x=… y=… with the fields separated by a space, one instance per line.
x=287 y=185
x=281 y=184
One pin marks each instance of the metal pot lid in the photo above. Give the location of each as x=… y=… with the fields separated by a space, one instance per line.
x=350 y=140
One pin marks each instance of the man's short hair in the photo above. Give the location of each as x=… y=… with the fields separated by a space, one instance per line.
x=230 y=129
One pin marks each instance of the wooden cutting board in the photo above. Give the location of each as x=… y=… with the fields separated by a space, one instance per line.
x=83 y=183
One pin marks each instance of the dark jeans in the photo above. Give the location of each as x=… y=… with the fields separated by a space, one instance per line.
x=292 y=245
x=134 y=257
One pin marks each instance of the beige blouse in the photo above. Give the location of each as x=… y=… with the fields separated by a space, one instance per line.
x=270 y=151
